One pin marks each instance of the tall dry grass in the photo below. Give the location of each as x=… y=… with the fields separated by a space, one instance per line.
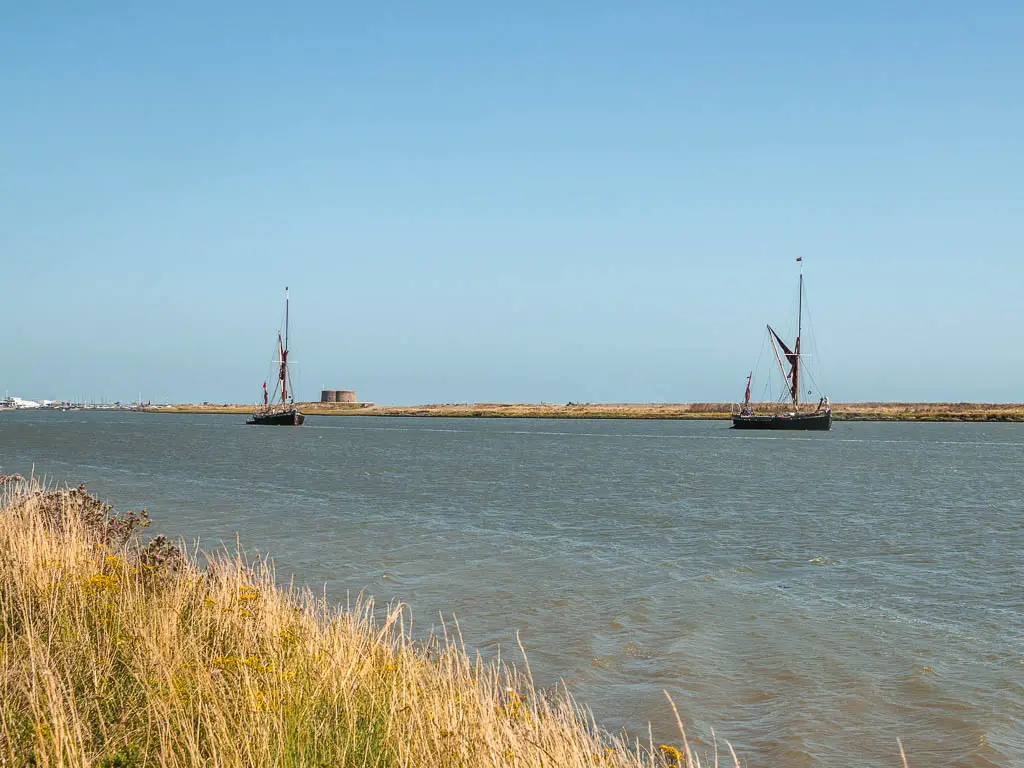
x=116 y=655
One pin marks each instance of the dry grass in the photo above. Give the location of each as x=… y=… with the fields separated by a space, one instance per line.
x=317 y=408
x=840 y=411
x=118 y=655
x=928 y=411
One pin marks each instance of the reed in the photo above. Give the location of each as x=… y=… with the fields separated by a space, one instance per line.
x=116 y=654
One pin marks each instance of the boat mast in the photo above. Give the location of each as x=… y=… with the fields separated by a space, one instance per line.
x=286 y=331
x=284 y=352
x=799 y=331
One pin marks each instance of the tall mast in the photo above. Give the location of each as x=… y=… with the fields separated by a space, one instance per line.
x=799 y=332
x=284 y=364
x=283 y=349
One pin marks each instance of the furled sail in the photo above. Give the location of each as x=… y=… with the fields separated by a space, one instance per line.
x=793 y=358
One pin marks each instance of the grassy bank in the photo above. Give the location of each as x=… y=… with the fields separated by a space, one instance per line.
x=322 y=409
x=879 y=411
x=116 y=654
x=929 y=412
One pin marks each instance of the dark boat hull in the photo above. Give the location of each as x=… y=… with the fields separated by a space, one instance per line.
x=290 y=418
x=819 y=422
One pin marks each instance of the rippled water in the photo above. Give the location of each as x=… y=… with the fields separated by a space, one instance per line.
x=811 y=597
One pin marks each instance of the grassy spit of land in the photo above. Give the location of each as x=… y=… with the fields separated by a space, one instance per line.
x=118 y=654
x=840 y=411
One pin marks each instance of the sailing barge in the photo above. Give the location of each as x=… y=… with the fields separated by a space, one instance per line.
x=283 y=413
x=820 y=419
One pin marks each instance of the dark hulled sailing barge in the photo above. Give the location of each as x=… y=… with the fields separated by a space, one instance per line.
x=284 y=413
x=819 y=419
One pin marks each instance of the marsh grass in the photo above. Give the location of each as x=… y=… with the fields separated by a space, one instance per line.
x=116 y=654
x=875 y=411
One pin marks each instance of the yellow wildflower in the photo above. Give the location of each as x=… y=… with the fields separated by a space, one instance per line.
x=515 y=706
x=671 y=752
x=260 y=702
x=288 y=636
x=257 y=664
x=248 y=593
x=101 y=581
x=115 y=562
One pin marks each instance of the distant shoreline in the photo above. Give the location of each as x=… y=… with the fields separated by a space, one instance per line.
x=870 y=411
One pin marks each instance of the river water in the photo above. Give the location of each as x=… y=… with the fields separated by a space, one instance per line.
x=810 y=597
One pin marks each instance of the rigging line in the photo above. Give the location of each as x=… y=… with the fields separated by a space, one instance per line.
x=760 y=355
x=766 y=391
x=814 y=383
x=292 y=375
x=791 y=326
x=814 y=343
x=271 y=375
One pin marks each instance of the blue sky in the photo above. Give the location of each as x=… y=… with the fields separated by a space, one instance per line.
x=591 y=202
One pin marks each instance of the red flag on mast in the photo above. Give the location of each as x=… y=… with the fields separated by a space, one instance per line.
x=799 y=258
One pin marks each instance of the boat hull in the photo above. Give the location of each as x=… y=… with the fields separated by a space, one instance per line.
x=819 y=422
x=291 y=418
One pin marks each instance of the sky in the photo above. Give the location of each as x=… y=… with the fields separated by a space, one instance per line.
x=528 y=202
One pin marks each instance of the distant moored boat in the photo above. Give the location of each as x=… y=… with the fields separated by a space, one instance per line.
x=272 y=412
x=793 y=417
